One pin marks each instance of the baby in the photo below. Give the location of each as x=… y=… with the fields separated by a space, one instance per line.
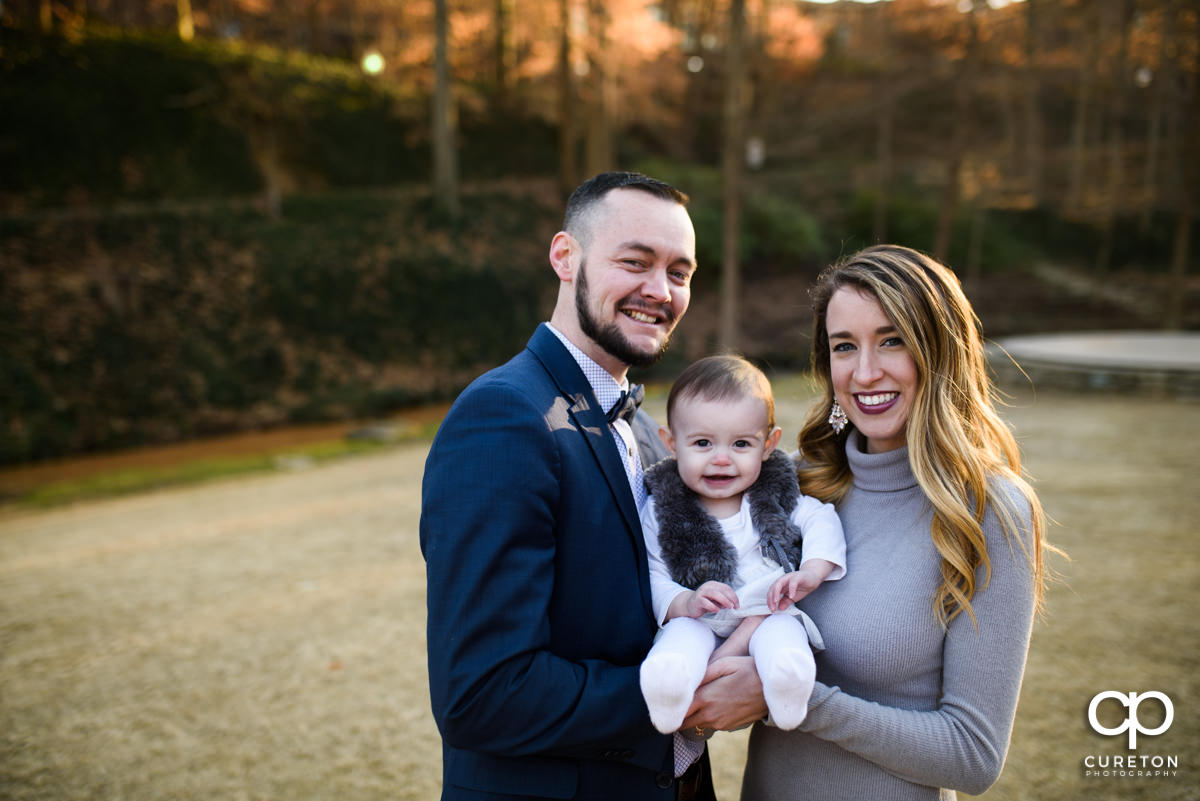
x=727 y=560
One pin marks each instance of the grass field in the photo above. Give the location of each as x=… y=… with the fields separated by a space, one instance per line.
x=262 y=637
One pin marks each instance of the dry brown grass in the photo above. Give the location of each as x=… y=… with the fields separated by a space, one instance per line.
x=262 y=638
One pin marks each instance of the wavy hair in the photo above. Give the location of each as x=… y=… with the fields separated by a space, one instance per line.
x=957 y=443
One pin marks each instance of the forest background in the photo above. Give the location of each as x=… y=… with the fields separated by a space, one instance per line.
x=226 y=215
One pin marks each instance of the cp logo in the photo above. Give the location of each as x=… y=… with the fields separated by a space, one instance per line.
x=1131 y=724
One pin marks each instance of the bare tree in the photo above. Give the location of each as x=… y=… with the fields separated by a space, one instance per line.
x=1083 y=101
x=963 y=87
x=598 y=145
x=733 y=161
x=1032 y=105
x=1164 y=79
x=503 y=16
x=1116 y=139
x=567 y=168
x=883 y=130
x=1188 y=178
x=445 y=160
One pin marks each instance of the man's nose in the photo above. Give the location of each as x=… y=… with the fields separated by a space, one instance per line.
x=656 y=286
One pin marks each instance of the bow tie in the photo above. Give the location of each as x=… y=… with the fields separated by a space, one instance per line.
x=627 y=405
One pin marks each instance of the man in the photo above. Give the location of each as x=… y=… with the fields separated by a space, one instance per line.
x=538 y=588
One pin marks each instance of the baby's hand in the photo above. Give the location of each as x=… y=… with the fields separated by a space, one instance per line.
x=793 y=586
x=711 y=596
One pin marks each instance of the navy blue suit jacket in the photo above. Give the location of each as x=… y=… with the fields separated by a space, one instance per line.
x=538 y=592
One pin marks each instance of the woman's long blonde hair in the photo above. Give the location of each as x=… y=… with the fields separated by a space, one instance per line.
x=957 y=444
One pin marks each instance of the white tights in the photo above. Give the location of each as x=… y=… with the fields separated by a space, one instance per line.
x=676 y=664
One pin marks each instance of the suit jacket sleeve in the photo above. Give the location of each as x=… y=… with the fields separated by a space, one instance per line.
x=504 y=680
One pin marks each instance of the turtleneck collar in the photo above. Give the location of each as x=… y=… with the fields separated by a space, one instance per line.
x=879 y=472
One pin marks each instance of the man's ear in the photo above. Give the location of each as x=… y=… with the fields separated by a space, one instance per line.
x=772 y=441
x=665 y=435
x=564 y=255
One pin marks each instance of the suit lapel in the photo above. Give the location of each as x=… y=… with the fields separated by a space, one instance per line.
x=588 y=419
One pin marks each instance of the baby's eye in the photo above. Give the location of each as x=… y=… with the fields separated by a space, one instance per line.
x=742 y=443
x=701 y=443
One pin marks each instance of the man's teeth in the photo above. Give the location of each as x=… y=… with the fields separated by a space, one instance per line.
x=641 y=317
x=876 y=400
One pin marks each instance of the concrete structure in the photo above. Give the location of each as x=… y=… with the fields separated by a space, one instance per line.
x=1164 y=363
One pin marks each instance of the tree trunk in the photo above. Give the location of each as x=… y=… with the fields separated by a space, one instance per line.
x=1173 y=319
x=269 y=162
x=883 y=134
x=187 y=25
x=974 y=271
x=1083 y=100
x=1189 y=179
x=1116 y=141
x=568 y=170
x=1033 y=111
x=445 y=162
x=733 y=161
x=963 y=87
x=1164 y=79
x=883 y=165
x=503 y=23
x=599 y=155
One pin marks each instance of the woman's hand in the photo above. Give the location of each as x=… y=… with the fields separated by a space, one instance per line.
x=729 y=698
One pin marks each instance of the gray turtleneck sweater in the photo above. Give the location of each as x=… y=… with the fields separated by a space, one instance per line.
x=903 y=707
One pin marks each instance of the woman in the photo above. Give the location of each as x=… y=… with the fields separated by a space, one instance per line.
x=926 y=635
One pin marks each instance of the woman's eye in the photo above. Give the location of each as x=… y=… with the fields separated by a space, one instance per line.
x=842 y=347
x=894 y=342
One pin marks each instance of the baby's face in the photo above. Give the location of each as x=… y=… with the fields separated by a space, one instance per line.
x=720 y=445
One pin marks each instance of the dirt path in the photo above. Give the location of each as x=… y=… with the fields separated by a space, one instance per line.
x=263 y=637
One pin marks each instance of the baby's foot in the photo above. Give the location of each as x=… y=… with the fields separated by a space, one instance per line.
x=787 y=685
x=667 y=688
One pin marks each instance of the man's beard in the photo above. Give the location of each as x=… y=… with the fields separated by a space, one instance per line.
x=609 y=337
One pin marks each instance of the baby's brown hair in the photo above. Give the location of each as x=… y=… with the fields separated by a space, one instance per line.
x=720 y=378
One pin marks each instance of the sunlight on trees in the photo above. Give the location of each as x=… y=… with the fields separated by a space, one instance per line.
x=1084 y=108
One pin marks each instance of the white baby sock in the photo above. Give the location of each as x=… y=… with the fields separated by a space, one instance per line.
x=673 y=670
x=786 y=667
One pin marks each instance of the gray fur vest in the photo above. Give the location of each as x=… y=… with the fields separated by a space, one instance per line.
x=692 y=542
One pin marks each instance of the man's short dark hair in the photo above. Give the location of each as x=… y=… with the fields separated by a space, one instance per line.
x=594 y=189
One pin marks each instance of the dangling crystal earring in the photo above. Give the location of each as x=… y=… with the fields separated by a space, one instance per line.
x=837 y=417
